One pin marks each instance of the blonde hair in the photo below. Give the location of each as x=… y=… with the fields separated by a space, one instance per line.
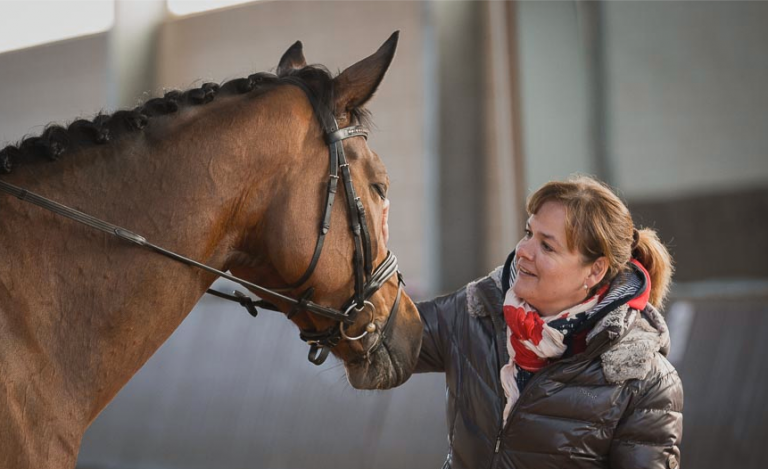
x=598 y=223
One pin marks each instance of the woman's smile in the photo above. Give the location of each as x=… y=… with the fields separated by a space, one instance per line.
x=524 y=271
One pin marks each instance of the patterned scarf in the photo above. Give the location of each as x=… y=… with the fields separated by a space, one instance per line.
x=534 y=341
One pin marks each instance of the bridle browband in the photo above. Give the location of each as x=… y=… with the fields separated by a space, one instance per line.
x=367 y=280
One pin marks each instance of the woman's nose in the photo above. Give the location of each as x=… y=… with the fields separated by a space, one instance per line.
x=523 y=249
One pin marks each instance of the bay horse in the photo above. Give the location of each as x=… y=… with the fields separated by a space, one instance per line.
x=231 y=178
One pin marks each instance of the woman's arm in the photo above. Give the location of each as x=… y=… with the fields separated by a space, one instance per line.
x=431 y=354
x=438 y=317
x=650 y=433
x=444 y=315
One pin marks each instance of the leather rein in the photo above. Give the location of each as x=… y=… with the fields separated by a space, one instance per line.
x=367 y=280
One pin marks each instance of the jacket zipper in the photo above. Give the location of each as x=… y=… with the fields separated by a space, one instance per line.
x=503 y=426
x=536 y=377
x=501 y=358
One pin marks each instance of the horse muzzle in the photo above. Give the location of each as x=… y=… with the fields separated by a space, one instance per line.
x=390 y=357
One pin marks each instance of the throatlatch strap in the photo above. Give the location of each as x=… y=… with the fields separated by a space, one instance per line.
x=244 y=300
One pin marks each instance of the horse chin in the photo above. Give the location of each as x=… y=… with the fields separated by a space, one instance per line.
x=379 y=371
x=385 y=368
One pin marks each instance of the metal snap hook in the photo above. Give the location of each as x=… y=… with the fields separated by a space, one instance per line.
x=370 y=328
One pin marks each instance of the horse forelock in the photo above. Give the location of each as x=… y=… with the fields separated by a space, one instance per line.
x=57 y=141
x=320 y=81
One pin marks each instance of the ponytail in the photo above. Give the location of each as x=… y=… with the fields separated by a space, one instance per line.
x=652 y=253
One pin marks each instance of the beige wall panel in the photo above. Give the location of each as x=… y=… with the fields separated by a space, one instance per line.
x=554 y=93
x=57 y=83
x=687 y=101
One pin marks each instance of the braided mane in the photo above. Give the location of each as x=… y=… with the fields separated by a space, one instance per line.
x=56 y=141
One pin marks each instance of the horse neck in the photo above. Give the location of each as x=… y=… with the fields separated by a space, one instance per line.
x=101 y=306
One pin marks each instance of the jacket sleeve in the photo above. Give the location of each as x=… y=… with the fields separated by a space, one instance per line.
x=650 y=432
x=438 y=317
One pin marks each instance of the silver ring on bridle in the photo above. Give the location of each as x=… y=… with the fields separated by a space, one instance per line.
x=369 y=328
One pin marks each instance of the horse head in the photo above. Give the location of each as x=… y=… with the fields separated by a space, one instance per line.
x=309 y=247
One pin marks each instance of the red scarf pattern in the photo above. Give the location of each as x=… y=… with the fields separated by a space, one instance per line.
x=532 y=342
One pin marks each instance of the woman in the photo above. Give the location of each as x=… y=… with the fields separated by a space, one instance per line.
x=556 y=359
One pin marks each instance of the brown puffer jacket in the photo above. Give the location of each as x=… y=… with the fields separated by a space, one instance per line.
x=616 y=405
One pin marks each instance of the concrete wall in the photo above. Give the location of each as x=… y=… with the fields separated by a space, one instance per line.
x=687 y=100
x=461 y=148
x=53 y=83
x=686 y=105
x=554 y=92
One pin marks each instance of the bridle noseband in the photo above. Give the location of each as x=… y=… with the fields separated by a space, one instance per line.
x=367 y=280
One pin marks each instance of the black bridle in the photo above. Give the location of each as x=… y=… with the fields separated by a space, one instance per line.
x=367 y=281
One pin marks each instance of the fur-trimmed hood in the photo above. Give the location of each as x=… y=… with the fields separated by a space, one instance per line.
x=635 y=338
x=631 y=337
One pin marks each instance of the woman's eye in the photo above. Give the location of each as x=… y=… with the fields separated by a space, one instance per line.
x=547 y=247
x=380 y=190
x=528 y=233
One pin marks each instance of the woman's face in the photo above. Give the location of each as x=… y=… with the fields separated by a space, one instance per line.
x=550 y=277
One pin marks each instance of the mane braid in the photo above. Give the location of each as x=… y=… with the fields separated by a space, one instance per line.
x=56 y=140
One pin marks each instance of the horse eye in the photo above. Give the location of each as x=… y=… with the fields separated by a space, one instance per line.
x=380 y=190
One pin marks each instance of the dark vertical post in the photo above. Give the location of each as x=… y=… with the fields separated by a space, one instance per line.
x=459 y=29
x=133 y=51
x=515 y=104
x=590 y=21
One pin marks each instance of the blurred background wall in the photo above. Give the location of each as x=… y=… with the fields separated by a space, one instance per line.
x=484 y=102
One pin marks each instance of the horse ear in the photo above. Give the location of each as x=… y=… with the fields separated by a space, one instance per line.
x=293 y=59
x=355 y=85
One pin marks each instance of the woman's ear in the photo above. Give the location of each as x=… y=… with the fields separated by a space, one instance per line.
x=597 y=271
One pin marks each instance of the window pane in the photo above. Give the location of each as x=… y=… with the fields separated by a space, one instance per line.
x=185 y=7
x=26 y=23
